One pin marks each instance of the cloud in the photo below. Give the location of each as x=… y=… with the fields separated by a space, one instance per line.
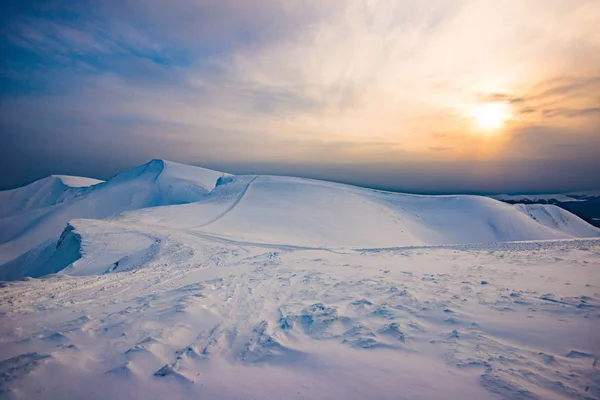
x=571 y=113
x=567 y=86
x=560 y=97
x=440 y=148
x=235 y=81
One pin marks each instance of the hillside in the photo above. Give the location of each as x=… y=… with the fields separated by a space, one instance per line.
x=38 y=213
x=584 y=204
x=255 y=209
x=173 y=281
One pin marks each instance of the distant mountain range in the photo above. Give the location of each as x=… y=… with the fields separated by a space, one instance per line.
x=585 y=204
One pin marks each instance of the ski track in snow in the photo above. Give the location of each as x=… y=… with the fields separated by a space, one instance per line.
x=214 y=319
x=231 y=207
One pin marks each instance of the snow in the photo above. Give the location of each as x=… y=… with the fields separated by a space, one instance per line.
x=312 y=213
x=586 y=193
x=181 y=282
x=77 y=181
x=268 y=209
x=37 y=213
x=560 y=197
x=205 y=318
x=43 y=193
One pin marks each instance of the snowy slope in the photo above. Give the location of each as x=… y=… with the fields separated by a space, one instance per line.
x=172 y=281
x=43 y=193
x=312 y=213
x=297 y=213
x=39 y=212
x=209 y=319
x=584 y=204
x=303 y=212
x=272 y=210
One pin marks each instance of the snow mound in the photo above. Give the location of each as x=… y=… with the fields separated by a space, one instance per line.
x=47 y=258
x=165 y=182
x=86 y=247
x=304 y=212
x=104 y=248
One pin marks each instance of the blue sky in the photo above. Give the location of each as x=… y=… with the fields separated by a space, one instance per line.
x=431 y=97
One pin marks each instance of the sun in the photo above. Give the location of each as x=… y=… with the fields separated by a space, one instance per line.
x=491 y=116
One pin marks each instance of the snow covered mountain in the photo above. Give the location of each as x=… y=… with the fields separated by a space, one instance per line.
x=46 y=192
x=256 y=209
x=533 y=198
x=584 y=204
x=549 y=198
x=37 y=213
x=173 y=281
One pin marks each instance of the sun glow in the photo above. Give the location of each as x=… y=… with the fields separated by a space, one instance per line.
x=492 y=116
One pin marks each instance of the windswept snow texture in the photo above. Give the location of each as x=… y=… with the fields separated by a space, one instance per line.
x=185 y=316
x=172 y=281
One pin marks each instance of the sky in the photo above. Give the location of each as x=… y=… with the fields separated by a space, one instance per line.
x=434 y=96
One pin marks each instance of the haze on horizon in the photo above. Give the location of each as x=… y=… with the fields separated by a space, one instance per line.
x=430 y=96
